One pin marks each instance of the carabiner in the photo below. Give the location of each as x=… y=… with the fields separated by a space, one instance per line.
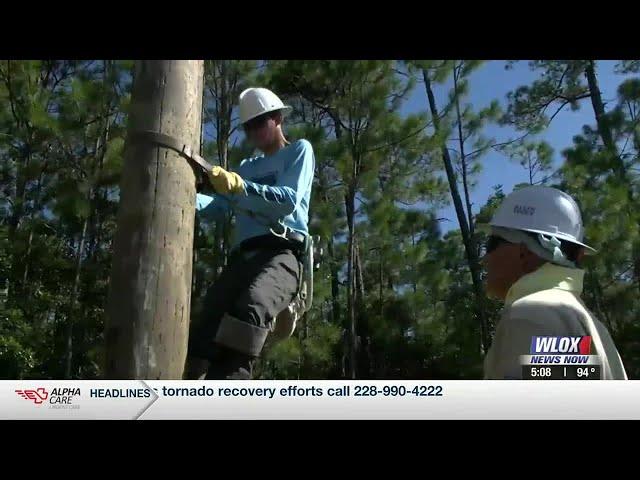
x=284 y=231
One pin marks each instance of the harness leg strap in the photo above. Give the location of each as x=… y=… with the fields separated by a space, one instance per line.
x=241 y=336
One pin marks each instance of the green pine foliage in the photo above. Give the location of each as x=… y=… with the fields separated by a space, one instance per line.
x=393 y=297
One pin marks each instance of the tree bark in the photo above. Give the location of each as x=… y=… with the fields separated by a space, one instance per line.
x=359 y=277
x=95 y=222
x=469 y=243
x=380 y=284
x=351 y=283
x=27 y=257
x=598 y=108
x=463 y=157
x=150 y=292
x=15 y=220
x=74 y=302
x=363 y=326
x=224 y=107
x=335 y=285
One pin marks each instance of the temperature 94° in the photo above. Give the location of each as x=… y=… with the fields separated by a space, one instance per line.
x=585 y=371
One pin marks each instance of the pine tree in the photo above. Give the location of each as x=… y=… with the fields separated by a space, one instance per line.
x=393 y=295
x=535 y=157
x=64 y=114
x=610 y=212
x=438 y=72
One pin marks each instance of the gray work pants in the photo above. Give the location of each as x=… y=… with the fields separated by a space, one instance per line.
x=238 y=308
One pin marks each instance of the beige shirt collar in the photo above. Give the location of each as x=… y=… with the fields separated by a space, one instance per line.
x=546 y=277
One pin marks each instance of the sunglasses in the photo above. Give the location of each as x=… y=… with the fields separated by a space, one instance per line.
x=494 y=242
x=258 y=122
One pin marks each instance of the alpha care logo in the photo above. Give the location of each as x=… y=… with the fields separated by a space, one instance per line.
x=36 y=396
x=59 y=397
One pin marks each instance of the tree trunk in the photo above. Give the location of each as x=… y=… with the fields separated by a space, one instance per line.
x=351 y=290
x=150 y=292
x=359 y=277
x=636 y=263
x=27 y=255
x=95 y=222
x=598 y=108
x=19 y=196
x=607 y=138
x=380 y=282
x=598 y=299
x=469 y=243
x=463 y=157
x=222 y=92
x=74 y=302
x=362 y=321
x=18 y=211
x=414 y=280
x=335 y=285
x=349 y=199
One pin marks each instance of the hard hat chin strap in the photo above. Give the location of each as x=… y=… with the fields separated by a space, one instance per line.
x=544 y=246
x=552 y=245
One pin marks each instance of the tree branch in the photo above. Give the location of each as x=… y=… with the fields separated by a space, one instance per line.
x=412 y=134
x=400 y=72
x=618 y=277
x=566 y=69
x=497 y=145
x=575 y=98
x=551 y=175
x=567 y=100
x=408 y=204
x=454 y=151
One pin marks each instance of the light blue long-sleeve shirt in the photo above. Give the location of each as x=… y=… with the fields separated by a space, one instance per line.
x=277 y=188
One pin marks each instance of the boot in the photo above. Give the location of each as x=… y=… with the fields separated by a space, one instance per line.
x=228 y=364
x=196 y=368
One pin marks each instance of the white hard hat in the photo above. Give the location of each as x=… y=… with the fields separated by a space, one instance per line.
x=257 y=101
x=543 y=210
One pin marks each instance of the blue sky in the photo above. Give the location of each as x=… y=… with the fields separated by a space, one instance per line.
x=492 y=82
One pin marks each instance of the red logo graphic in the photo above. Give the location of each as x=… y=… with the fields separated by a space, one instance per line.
x=38 y=396
x=585 y=345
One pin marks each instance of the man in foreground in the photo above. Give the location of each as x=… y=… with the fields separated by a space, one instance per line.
x=533 y=259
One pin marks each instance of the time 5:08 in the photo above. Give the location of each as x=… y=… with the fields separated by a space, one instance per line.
x=540 y=371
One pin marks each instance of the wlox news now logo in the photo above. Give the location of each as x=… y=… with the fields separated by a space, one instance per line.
x=563 y=350
x=57 y=398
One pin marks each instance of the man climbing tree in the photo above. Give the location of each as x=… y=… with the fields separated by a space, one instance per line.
x=270 y=195
x=150 y=291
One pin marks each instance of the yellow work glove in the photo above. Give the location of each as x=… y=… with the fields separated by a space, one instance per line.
x=225 y=182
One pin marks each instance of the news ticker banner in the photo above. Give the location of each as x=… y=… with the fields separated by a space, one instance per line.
x=318 y=399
